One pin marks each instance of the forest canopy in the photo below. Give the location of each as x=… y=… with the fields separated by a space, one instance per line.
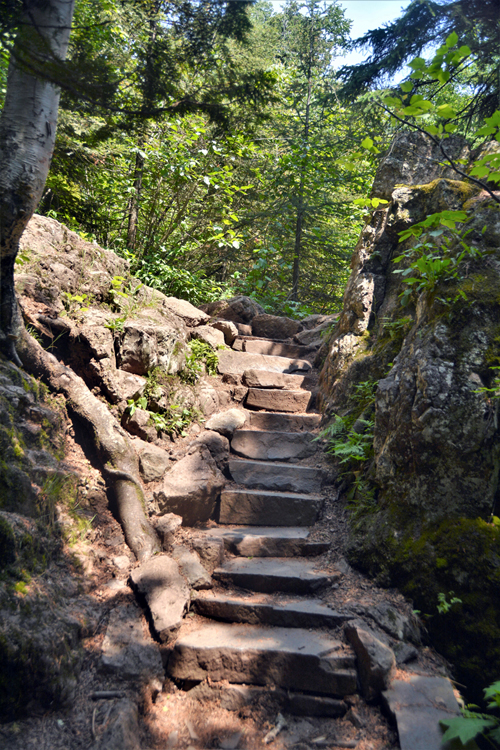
x=216 y=146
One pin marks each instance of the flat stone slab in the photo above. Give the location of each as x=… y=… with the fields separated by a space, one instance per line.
x=259 y=609
x=269 y=508
x=276 y=348
x=268 y=379
x=261 y=541
x=166 y=593
x=288 y=401
x=273 y=446
x=418 y=705
x=276 y=476
x=288 y=657
x=235 y=363
x=261 y=420
x=270 y=574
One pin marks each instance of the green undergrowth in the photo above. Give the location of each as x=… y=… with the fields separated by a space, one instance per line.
x=167 y=411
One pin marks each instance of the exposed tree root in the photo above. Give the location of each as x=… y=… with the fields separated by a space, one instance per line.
x=118 y=458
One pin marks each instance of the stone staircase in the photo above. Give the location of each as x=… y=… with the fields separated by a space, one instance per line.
x=266 y=626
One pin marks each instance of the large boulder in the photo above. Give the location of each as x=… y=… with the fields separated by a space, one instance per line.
x=144 y=345
x=59 y=261
x=191 y=488
x=414 y=159
x=239 y=309
x=209 y=335
x=274 y=326
x=153 y=460
x=218 y=445
x=191 y=315
x=228 y=328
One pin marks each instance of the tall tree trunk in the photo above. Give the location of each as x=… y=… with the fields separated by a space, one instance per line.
x=303 y=169
x=27 y=135
x=135 y=198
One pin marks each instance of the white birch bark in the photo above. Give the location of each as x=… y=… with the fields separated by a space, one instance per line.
x=27 y=134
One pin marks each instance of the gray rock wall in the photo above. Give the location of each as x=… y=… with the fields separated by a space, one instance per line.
x=422 y=502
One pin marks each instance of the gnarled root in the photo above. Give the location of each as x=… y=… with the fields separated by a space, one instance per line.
x=113 y=446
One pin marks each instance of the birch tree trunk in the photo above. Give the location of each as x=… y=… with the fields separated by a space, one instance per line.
x=27 y=134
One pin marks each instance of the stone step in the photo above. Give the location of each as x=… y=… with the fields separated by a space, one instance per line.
x=268 y=379
x=259 y=609
x=279 y=477
x=276 y=400
x=268 y=508
x=270 y=574
x=291 y=658
x=261 y=420
x=235 y=697
x=261 y=541
x=273 y=446
x=235 y=363
x=269 y=346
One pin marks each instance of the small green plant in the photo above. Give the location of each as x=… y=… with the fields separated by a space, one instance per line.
x=174 y=420
x=22 y=258
x=494 y=391
x=349 y=442
x=201 y=354
x=444 y=606
x=472 y=724
x=116 y=324
x=134 y=404
x=394 y=328
x=34 y=334
x=21 y=588
x=438 y=254
x=74 y=302
x=121 y=290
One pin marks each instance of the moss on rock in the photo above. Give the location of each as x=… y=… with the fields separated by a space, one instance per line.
x=457 y=558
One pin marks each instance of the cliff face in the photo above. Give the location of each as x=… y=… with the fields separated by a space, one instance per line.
x=431 y=482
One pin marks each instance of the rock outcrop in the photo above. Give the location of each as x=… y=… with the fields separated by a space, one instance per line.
x=428 y=366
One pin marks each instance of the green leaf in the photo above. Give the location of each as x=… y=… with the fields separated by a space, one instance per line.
x=415 y=111
x=444 y=110
x=407 y=86
x=479 y=171
x=392 y=101
x=367 y=143
x=451 y=40
x=464 y=728
x=494 y=689
x=417 y=64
